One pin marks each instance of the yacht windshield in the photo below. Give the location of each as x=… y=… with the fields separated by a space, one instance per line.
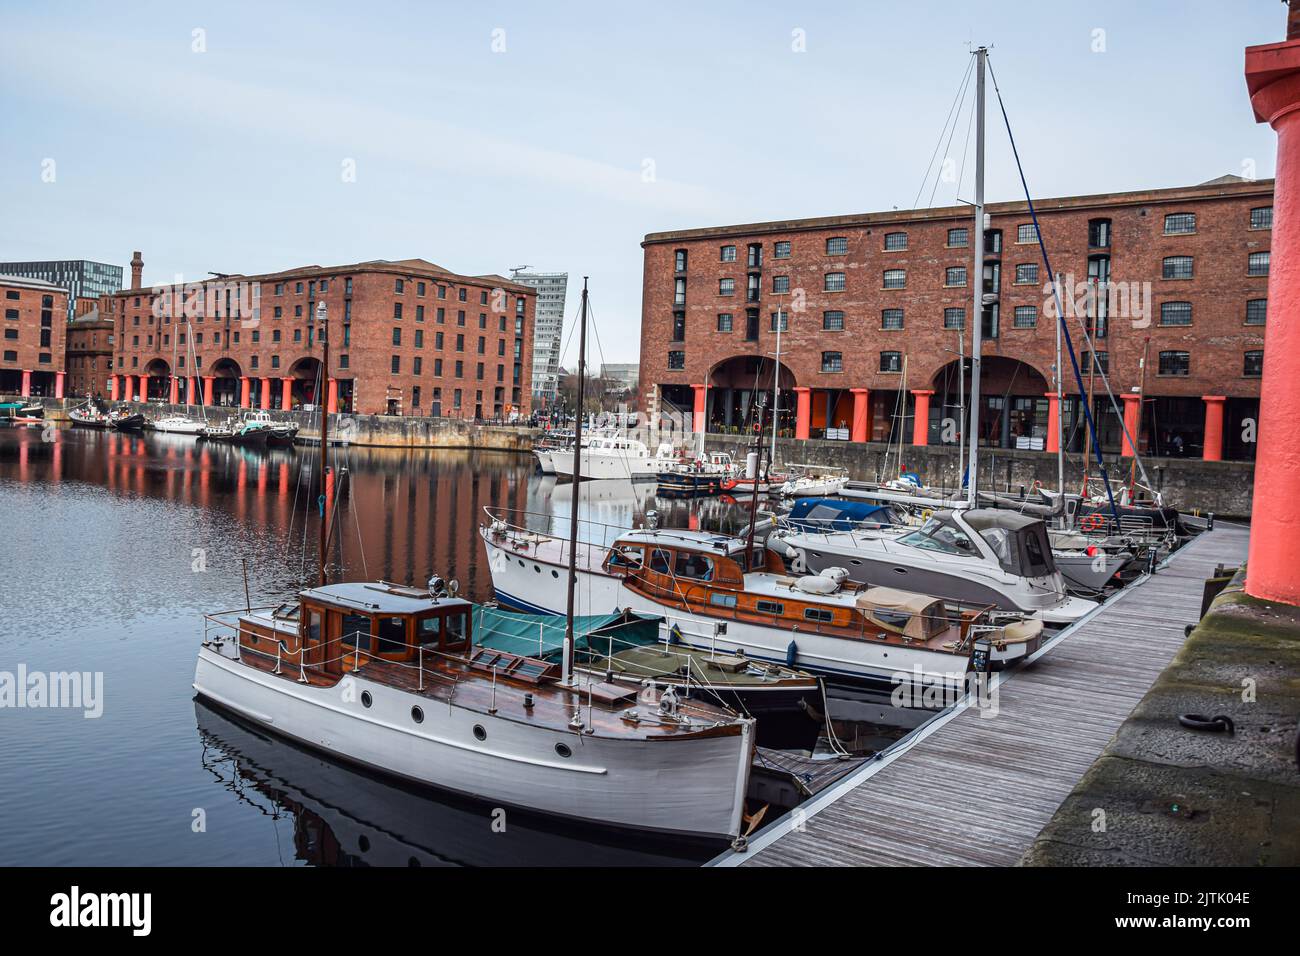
x=936 y=535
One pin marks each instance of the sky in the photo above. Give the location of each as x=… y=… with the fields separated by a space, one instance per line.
x=252 y=137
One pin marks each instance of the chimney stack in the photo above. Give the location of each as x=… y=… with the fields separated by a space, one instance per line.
x=137 y=266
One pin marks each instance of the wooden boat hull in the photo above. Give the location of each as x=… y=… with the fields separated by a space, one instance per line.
x=689 y=787
x=686 y=485
x=128 y=423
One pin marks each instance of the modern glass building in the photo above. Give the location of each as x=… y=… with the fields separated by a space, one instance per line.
x=81 y=277
x=548 y=329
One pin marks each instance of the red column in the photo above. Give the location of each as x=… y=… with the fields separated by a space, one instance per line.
x=861 y=410
x=921 y=416
x=802 y=412
x=332 y=402
x=1132 y=403
x=27 y=383
x=266 y=393
x=144 y=388
x=1273 y=78
x=1053 y=422
x=1213 y=427
x=286 y=394
x=58 y=384
x=697 y=422
x=245 y=392
x=207 y=389
x=128 y=387
x=174 y=393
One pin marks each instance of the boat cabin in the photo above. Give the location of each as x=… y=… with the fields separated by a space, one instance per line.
x=341 y=627
x=1018 y=543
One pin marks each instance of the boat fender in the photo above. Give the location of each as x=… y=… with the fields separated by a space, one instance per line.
x=791 y=654
x=838 y=575
x=817 y=584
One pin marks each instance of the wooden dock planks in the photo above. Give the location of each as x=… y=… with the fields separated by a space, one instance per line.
x=976 y=790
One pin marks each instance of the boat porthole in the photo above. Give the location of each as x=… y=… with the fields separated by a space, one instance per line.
x=417 y=715
x=364 y=843
x=563 y=750
x=554 y=573
x=521 y=563
x=537 y=568
x=413 y=862
x=479 y=732
x=366 y=699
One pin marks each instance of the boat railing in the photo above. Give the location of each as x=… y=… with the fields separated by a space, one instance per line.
x=514 y=521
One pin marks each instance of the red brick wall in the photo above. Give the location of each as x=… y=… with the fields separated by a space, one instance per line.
x=89 y=358
x=144 y=339
x=1218 y=292
x=20 y=342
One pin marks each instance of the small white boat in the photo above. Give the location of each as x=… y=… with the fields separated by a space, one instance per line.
x=807 y=481
x=612 y=456
x=179 y=425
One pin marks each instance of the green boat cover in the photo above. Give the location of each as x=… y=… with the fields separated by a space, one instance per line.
x=542 y=635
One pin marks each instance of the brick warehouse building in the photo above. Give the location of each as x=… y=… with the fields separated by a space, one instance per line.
x=406 y=338
x=875 y=309
x=35 y=321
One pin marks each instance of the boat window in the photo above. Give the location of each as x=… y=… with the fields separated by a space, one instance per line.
x=999 y=539
x=391 y=634
x=355 y=630
x=935 y=535
x=457 y=628
x=1037 y=551
x=722 y=600
x=890 y=618
x=660 y=561
x=429 y=631
x=626 y=557
x=770 y=607
x=313 y=626
x=696 y=567
x=819 y=614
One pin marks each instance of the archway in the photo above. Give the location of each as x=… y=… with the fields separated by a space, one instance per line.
x=157 y=380
x=304 y=381
x=1013 y=403
x=740 y=390
x=225 y=386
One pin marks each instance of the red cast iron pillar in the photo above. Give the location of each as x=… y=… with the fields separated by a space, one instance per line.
x=1273 y=79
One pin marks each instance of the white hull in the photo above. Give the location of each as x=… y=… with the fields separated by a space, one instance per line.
x=177 y=427
x=526 y=582
x=689 y=786
x=544 y=461
x=607 y=465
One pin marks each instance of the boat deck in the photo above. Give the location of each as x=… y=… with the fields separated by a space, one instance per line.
x=967 y=789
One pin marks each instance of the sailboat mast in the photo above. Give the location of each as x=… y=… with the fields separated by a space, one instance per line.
x=577 y=484
x=977 y=281
x=776 y=397
x=1060 y=402
x=322 y=325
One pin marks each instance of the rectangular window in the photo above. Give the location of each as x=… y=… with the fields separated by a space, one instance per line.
x=724 y=322
x=419 y=338
x=1256 y=311
x=1176 y=267
x=1027 y=273
x=397 y=364
x=891 y=361
x=895 y=279
x=397 y=336
x=1180 y=223
x=819 y=615
x=679 y=326
x=1025 y=317
x=769 y=607
x=781 y=250
x=958 y=238
x=417 y=365
x=419 y=313
x=1253 y=366
x=891 y=319
x=837 y=246
x=780 y=284
x=833 y=321
x=954 y=276
x=679 y=260
x=954 y=318
x=1175 y=313
x=399 y=286
x=1025 y=232
x=677 y=360
x=1101 y=362
x=1261 y=218
x=784 y=319
x=1258 y=264
x=833 y=282
x=679 y=292
x=726 y=287
x=895 y=241
x=1175 y=363
x=728 y=254
x=832 y=362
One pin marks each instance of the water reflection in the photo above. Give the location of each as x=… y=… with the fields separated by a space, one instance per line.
x=116 y=545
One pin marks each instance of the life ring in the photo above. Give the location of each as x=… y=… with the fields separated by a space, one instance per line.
x=926 y=514
x=1092 y=522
